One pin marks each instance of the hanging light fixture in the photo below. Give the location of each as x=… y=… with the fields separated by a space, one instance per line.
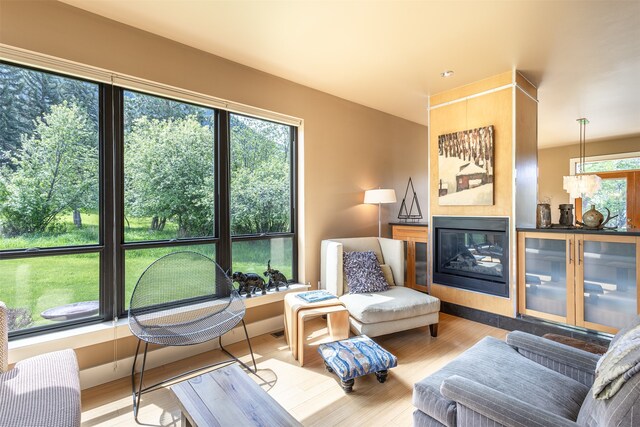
x=581 y=185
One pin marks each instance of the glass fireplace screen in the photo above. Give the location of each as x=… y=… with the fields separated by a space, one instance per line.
x=474 y=259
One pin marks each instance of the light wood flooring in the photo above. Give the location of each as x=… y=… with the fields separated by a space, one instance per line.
x=312 y=395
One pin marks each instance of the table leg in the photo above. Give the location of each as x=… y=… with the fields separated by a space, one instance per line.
x=338 y=325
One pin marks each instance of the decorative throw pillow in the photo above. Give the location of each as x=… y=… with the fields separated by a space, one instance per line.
x=363 y=273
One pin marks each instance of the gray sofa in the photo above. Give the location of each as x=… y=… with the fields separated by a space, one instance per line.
x=525 y=381
x=42 y=391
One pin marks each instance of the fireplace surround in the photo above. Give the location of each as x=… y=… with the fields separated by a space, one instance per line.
x=472 y=253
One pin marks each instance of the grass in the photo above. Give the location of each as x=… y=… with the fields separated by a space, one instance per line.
x=40 y=283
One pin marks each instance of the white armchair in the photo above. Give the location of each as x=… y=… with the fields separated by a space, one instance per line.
x=378 y=313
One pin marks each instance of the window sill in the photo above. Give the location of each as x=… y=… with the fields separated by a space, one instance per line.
x=84 y=336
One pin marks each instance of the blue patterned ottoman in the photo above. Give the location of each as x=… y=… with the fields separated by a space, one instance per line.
x=355 y=357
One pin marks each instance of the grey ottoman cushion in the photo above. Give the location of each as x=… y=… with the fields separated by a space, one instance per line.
x=494 y=363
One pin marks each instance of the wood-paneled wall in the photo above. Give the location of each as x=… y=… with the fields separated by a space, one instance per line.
x=506 y=101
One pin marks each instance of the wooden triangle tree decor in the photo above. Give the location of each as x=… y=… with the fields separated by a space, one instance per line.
x=404 y=214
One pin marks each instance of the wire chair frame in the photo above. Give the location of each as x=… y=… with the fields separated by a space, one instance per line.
x=183 y=298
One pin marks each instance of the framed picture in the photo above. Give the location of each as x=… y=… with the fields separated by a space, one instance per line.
x=465 y=167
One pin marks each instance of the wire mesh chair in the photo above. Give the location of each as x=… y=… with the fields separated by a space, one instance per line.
x=183 y=298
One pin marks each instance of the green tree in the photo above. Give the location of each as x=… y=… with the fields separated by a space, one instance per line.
x=169 y=173
x=13 y=111
x=54 y=171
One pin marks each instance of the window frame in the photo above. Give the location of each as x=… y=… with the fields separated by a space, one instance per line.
x=112 y=246
x=100 y=247
x=293 y=217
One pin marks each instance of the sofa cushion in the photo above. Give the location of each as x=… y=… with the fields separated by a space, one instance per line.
x=363 y=273
x=494 y=363
x=396 y=303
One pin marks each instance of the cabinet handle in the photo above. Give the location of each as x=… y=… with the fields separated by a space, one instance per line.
x=570 y=251
x=579 y=250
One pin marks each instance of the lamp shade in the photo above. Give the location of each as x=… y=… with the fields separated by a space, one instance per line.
x=380 y=195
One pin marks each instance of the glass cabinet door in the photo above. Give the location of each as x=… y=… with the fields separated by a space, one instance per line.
x=606 y=288
x=546 y=276
x=421 y=264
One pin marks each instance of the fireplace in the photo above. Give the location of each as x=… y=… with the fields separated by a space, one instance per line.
x=472 y=253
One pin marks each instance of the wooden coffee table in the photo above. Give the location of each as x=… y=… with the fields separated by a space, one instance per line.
x=228 y=397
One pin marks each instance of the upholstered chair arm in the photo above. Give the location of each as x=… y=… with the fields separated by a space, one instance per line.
x=478 y=404
x=4 y=338
x=574 y=363
x=331 y=267
x=393 y=254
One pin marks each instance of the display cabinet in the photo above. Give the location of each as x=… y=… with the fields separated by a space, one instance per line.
x=586 y=280
x=415 y=238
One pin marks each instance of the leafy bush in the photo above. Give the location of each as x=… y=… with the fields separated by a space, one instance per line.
x=19 y=318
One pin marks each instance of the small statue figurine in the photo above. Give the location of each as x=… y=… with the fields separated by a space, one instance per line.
x=249 y=283
x=276 y=278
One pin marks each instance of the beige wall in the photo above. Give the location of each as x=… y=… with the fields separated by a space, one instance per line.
x=347 y=148
x=553 y=164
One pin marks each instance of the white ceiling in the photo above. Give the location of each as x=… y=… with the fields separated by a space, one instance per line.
x=584 y=56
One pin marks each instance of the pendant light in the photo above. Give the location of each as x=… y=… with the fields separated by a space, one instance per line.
x=581 y=185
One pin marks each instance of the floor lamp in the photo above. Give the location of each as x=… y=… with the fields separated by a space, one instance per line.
x=378 y=197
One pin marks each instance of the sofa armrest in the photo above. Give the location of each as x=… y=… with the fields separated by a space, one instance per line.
x=574 y=363
x=43 y=390
x=493 y=405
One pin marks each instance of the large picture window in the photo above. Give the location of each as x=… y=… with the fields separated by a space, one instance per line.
x=98 y=181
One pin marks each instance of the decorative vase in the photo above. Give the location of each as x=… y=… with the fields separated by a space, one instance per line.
x=566 y=214
x=543 y=215
x=592 y=218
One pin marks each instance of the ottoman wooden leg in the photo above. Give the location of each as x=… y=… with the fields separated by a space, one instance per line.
x=382 y=375
x=347 y=385
x=329 y=368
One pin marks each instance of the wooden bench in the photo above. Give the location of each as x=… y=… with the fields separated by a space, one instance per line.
x=228 y=397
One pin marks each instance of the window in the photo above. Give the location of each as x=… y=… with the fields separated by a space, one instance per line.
x=261 y=195
x=98 y=181
x=620 y=174
x=50 y=210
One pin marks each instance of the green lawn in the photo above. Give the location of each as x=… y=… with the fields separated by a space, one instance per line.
x=39 y=283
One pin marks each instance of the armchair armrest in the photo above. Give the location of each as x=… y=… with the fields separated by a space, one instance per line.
x=574 y=363
x=331 y=267
x=4 y=338
x=496 y=406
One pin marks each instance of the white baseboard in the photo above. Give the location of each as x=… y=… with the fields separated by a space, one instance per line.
x=102 y=374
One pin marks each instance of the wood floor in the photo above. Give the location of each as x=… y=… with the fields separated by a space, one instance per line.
x=312 y=395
